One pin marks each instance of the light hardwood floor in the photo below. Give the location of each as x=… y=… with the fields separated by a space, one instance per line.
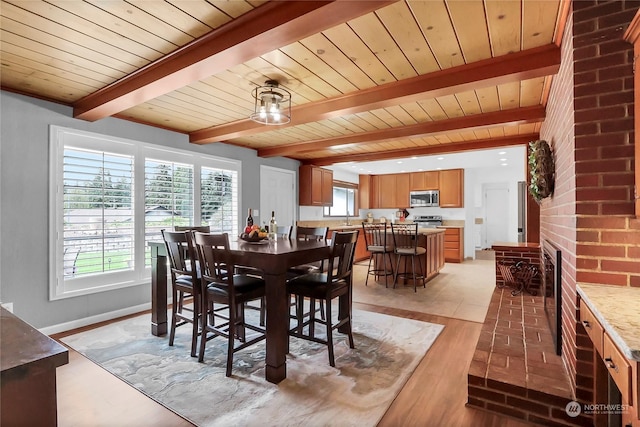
x=435 y=395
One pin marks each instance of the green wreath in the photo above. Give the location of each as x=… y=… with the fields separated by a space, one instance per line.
x=542 y=170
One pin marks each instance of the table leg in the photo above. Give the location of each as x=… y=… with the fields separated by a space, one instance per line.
x=277 y=328
x=158 y=294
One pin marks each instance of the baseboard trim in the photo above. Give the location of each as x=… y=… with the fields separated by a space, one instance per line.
x=86 y=321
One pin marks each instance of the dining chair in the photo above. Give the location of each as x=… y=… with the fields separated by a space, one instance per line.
x=335 y=282
x=375 y=237
x=405 y=242
x=230 y=290
x=185 y=282
x=193 y=228
x=309 y=233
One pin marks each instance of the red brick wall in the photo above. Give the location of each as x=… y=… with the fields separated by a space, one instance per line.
x=590 y=128
x=557 y=213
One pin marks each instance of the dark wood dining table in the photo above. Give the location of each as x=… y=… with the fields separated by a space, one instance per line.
x=273 y=259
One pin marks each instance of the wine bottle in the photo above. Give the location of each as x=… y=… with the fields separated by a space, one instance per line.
x=249 y=219
x=273 y=226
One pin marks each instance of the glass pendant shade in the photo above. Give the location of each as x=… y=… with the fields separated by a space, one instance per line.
x=272 y=104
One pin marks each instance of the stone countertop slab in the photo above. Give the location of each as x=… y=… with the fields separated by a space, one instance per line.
x=617 y=308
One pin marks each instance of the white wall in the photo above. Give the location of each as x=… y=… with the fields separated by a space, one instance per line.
x=24 y=221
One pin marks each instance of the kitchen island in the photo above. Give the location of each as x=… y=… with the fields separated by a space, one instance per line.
x=432 y=239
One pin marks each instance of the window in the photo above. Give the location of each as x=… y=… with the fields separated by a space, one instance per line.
x=344 y=200
x=110 y=197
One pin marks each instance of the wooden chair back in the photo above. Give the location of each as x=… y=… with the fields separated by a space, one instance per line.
x=193 y=228
x=181 y=253
x=312 y=233
x=343 y=248
x=375 y=236
x=405 y=238
x=215 y=260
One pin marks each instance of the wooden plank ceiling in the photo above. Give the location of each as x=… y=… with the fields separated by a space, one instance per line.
x=370 y=80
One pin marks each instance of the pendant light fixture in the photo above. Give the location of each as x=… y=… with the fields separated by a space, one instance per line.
x=272 y=104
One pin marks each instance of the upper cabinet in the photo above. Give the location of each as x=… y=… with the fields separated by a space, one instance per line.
x=316 y=186
x=452 y=188
x=429 y=180
x=391 y=191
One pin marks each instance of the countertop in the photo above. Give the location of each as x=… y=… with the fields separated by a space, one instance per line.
x=421 y=230
x=616 y=308
x=450 y=226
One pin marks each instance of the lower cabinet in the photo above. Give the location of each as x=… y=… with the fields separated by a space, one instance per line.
x=610 y=366
x=454 y=244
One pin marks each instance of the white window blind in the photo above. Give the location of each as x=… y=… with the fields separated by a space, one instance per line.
x=168 y=198
x=219 y=201
x=98 y=221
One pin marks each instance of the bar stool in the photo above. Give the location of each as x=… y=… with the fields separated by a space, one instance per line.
x=375 y=237
x=405 y=239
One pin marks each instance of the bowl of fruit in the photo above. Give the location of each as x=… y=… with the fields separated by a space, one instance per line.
x=254 y=234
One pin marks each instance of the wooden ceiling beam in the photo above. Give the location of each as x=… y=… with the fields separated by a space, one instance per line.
x=262 y=30
x=537 y=62
x=455 y=147
x=476 y=121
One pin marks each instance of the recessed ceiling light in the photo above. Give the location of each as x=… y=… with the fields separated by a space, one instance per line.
x=503 y=160
x=414 y=157
x=439 y=168
x=440 y=158
x=420 y=170
x=502 y=152
x=399 y=162
x=505 y=164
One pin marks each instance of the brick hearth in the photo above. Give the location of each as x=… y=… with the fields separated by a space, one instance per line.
x=515 y=370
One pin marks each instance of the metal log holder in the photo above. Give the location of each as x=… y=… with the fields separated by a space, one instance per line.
x=518 y=275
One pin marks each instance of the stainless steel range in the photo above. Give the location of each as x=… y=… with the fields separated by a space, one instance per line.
x=428 y=221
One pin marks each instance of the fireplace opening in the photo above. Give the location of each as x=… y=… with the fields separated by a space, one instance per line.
x=551 y=262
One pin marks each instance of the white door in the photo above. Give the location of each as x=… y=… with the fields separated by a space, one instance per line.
x=496 y=204
x=277 y=193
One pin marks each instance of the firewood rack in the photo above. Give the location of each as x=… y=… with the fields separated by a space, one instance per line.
x=517 y=275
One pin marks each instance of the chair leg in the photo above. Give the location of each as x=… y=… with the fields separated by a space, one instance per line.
x=385 y=267
x=203 y=335
x=413 y=273
x=174 y=311
x=196 y=326
x=395 y=276
x=233 y=318
x=366 y=281
x=263 y=310
x=332 y=360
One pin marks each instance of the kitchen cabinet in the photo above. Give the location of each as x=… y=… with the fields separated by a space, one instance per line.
x=602 y=312
x=364 y=191
x=393 y=191
x=454 y=244
x=452 y=188
x=316 y=186
x=428 y=180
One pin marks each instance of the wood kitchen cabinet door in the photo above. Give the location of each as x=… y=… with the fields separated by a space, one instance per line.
x=402 y=190
x=364 y=191
x=452 y=188
x=429 y=180
x=387 y=191
x=316 y=186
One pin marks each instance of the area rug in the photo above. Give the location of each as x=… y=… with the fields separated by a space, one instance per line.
x=461 y=291
x=357 y=392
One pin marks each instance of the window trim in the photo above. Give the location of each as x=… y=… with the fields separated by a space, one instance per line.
x=356 y=204
x=59 y=137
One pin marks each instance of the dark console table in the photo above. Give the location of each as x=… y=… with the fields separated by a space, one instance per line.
x=28 y=361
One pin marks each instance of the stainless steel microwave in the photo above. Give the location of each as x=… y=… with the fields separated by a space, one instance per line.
x=418 y=199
